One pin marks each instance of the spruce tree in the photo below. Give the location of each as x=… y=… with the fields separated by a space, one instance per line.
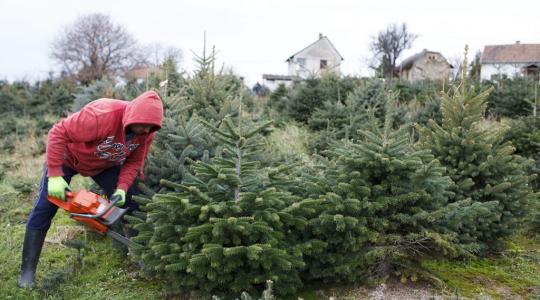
x=207 y=95
x=212 y=94
x=181 y=137
x=278 y=100
x=175 y=81
x=346 y=116
x=224 y=229
x=492 y=190
x=371 y=210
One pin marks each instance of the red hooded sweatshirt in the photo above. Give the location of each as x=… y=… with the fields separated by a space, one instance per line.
x=94 y=138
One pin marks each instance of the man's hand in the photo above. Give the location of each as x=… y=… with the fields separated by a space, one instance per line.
x=57 y=187
x=119 y=194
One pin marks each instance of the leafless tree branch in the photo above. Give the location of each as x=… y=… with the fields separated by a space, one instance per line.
x=94 y=47
x=388 y=45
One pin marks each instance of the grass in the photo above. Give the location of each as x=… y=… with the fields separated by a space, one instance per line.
x=104 y=273
x=289 y=142
x=514 y=274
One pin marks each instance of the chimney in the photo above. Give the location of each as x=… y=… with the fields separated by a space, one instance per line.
x=517 y=42
x=320 y=36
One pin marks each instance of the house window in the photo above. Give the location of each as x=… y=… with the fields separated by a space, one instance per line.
x=324 y=64
x=301 y=62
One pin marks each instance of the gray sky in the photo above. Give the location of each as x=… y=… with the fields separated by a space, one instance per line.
x=256 y=37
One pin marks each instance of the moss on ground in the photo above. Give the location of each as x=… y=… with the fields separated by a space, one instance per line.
x=513 y=274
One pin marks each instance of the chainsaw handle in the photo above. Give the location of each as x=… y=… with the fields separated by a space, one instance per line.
x=90 y=216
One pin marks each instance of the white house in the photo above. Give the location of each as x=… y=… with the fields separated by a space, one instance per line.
x=499 y=61
x=320 y=56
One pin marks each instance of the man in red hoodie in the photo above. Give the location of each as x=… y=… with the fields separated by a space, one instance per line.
x=108 y=140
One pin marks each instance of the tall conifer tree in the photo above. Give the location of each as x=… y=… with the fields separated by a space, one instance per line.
x=224 y=229
x=371 y=211
x=492 y=190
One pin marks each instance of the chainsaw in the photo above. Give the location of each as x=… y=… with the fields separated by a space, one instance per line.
x=94 y=211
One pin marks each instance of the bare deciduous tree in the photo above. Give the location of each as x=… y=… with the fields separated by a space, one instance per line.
x=158 y=54
x=457 y=66
x=388 y=45
x=94 y=47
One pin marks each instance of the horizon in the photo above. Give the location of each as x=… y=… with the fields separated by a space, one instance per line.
x=253 y=39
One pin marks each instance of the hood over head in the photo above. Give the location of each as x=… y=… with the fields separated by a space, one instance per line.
x=145 y=109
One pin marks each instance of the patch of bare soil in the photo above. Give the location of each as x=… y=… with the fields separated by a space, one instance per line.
x=393 y=289
x=396 y=290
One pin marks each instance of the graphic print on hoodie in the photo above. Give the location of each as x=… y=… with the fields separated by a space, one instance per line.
x=94 y=138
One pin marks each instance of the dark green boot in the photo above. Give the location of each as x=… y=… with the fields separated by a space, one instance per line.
x=33 y=242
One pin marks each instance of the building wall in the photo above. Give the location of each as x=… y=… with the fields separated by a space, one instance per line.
x=431 y=66
x=307 y=63
x=493 y=71
x=273 y=84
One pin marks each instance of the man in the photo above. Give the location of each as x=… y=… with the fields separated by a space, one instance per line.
x=108 y=140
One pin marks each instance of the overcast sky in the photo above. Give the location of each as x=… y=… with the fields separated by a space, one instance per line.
x=256 y=37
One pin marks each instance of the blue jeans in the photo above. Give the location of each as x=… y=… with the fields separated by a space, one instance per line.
x=43 y=212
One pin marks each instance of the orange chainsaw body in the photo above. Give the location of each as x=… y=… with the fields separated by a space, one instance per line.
x=84 y=206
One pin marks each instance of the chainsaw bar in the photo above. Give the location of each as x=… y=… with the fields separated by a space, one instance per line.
x=120 y=238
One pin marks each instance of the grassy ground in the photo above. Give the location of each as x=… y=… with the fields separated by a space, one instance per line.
x=102 y=272
x=515 y=274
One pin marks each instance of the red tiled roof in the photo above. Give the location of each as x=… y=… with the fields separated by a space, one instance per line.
x=142 y=72
x=516 y=53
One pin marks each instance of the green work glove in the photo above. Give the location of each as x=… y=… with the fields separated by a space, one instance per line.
x=119 y=193
x=57 y=187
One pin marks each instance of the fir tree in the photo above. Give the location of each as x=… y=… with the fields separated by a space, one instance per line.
x=371 y=211
x=210 y=93
x=511 y=97
x=304 y=99
x=224 y=229
x=207 y=95
x=278 y=99
x=345 y=117
x=524 y=134
x=174 y=79
x=181 y=137
x=95 y=90
x=492 y=192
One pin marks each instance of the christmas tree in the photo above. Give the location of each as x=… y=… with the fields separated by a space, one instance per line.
x=371 y=210
x=492 y=191
x=211 y=93
x=225 y=228
x=343 y=118
x=351 y=113
x=181 y=137
x=207 y=95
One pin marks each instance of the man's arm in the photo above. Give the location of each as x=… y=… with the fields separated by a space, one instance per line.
x=80 y=127
x=134 y=164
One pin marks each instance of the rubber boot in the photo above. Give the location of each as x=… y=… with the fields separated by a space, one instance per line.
x=33 y=242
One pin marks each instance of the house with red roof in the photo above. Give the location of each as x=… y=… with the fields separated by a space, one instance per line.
x=501 y=61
